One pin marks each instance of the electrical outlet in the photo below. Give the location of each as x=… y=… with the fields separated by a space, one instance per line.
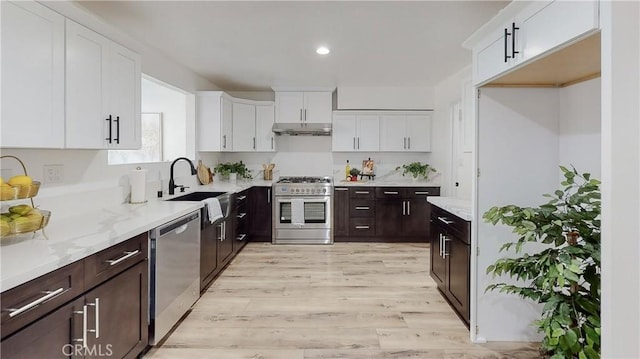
x=53 y=174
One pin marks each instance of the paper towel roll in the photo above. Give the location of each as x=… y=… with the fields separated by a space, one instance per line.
x=138 y=181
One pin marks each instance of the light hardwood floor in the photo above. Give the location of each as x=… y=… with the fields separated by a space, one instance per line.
x=347 y=300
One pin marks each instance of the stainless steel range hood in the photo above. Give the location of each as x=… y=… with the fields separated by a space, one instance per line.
x=302 y=129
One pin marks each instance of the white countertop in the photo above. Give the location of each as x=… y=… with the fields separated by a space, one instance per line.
x=74 y=237
x=459 y=207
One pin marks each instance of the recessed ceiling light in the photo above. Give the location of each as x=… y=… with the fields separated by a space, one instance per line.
x=322 y=50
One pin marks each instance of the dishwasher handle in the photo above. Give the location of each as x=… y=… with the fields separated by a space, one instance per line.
x=179 y=225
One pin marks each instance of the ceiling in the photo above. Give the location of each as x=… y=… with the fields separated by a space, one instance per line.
x=254 y=46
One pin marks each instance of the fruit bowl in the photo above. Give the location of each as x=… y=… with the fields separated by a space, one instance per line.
x=35 y=220
x=8 y=193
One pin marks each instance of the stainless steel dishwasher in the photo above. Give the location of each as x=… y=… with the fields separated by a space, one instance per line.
x=174 y=273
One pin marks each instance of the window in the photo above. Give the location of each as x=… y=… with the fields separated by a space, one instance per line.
x=163 y=128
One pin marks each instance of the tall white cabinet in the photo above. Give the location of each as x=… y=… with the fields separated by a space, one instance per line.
x=32 y=76
x=244 y=127
x=265 y=117
x=103 y=91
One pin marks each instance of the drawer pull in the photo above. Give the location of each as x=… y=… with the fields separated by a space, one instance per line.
x=340 y=188
x=362 y=192
x=24 y=308
x=422 y=192
x=444 y=220
x=126 y=256
x=390 y=192
x=241 y=215
x=362 y=227
x=362 y=208
x=240 y=198
x=241 y=237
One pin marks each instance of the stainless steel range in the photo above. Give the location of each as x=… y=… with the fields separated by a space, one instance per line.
x=302 y=210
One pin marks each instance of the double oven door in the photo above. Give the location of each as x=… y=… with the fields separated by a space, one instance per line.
x=316 y=228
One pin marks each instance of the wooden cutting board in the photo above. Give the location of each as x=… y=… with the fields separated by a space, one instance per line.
x=203 y=173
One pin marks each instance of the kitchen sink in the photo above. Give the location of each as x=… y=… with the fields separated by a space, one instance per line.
x=197 y=196
x=223 y=197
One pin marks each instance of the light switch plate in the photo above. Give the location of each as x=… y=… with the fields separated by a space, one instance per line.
x=53 y=174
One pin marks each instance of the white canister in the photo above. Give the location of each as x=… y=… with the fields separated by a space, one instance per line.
x=138 y=181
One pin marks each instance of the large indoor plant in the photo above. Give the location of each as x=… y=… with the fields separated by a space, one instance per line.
x=417 y=170
x=227 y=168
x=565 y=276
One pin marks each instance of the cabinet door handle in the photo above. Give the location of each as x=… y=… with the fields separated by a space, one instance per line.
x=271 y=142
x=254 y=143
x=126 y=256
x=440 y=239
x=341 y=189
x=221 y=238
x=506 y=50
x=408 y=208
x=305 y=115
x=421 y=192
x=390 y=192
x=241 y=215
x=268 y=195
x=354 y=143
x=513 y=40
x=84 y=326
x=362 y=192
x=224 y=139
x=48 y=295
x=404 y=210
x=358 y=142
x=361 y=208
x=117 y=121
x=404 y=146
x=241 y=237
x=96 y=304
x=362 y=227
x=241 y=198
x=408 y=143
x=110 y=131
x=301 y=120
x=445 y=239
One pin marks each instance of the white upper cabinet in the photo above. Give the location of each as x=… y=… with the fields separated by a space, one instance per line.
x=265 y=116
x=32 y=76
x=227 y=124
x=244 y=127
x=214 y=113
x=355 y=132
x=555 y=23
x=309 y=107
x=103 y=91
x=525 y=30
x=405 y=133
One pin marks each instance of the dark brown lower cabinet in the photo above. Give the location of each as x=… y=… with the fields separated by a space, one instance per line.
x=241 y=221
x=56 y=335
x=340 y=212
x=260 y=213
x=209 y=267
x=450 y=259
x=106 y=318
x=117 y=315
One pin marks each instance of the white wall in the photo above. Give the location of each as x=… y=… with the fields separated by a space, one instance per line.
x=620 y=22
x=447 y=93
x=580 y=133
x=385 y=98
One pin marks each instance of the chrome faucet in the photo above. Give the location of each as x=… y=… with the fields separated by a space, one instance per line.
x=172 y=184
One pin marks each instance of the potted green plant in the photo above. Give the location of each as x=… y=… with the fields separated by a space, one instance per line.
x=354 y=172
x=417 y=170
x=565 y=276
x=232 y=170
